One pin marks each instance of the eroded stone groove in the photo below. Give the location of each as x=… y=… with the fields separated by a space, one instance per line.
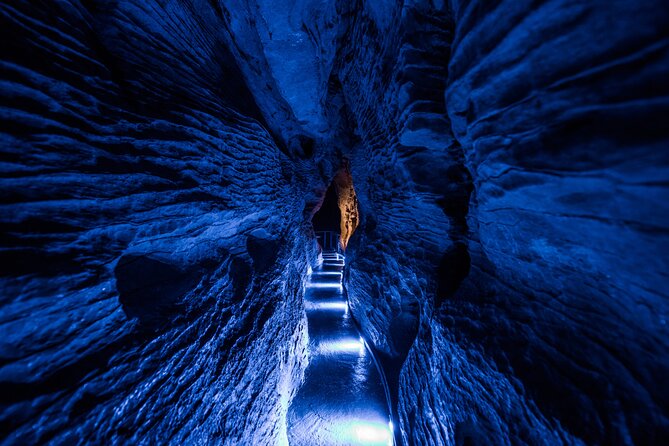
x=506 y=233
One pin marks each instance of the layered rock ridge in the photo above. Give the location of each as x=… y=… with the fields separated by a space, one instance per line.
x=153 y=232
x=510 y=175
x=161 y=161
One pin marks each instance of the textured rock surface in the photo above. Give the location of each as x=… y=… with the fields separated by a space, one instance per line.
x=287 y=49
x=161 y=161
x=153 y=239
x=541 y=316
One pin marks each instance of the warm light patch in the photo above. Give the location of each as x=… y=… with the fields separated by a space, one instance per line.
x=348 y=203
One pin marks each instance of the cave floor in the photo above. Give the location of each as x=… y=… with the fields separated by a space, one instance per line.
x=342 y=400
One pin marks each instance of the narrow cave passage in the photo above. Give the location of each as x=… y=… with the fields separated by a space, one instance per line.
x=503 y=253
x=338 y=215
x=328 y=217
x=343 y=400
x=326 y=221
x=344 y=397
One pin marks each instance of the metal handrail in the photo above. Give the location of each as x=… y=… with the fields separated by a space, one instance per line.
x=329 y=241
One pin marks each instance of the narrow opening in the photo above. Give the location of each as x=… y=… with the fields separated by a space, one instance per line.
x=328 y=217
x=348 y=203
x=337 y=218
x=327 y=220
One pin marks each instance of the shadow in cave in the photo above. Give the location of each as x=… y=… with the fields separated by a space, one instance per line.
x=151 y=289
x=327 y=221
x=328 y=216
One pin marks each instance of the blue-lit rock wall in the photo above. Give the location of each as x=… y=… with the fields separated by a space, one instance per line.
x=154 y=240
x=512 y=178
x=161 y=161
x=286 y=50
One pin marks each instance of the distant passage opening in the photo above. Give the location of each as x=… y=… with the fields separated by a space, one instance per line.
x=328 y=217
x=327 y=221
x=338 y=214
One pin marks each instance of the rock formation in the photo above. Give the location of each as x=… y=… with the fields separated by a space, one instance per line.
x=348 y=203
x=505 y=195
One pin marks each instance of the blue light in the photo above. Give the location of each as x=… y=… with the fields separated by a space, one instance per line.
x=334 y=285
x=328 y=273
x=341 y=346
x=327 y=305
x=366 y=432
x=372 y=433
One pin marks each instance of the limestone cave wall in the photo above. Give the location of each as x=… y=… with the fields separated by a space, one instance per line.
x=162 y=160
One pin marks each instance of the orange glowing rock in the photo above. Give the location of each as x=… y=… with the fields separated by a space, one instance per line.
x=348 y=203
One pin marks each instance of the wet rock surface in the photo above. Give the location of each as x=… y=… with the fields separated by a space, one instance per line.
x=161 y=162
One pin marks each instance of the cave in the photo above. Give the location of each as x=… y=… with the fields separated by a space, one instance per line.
x=328 y=215
x=497 y=174
x=337 y=215
x=327 y=221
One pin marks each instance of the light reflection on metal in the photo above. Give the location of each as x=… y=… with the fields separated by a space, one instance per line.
x=334 y=262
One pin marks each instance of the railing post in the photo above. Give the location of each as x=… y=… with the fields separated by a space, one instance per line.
x=329 y=241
